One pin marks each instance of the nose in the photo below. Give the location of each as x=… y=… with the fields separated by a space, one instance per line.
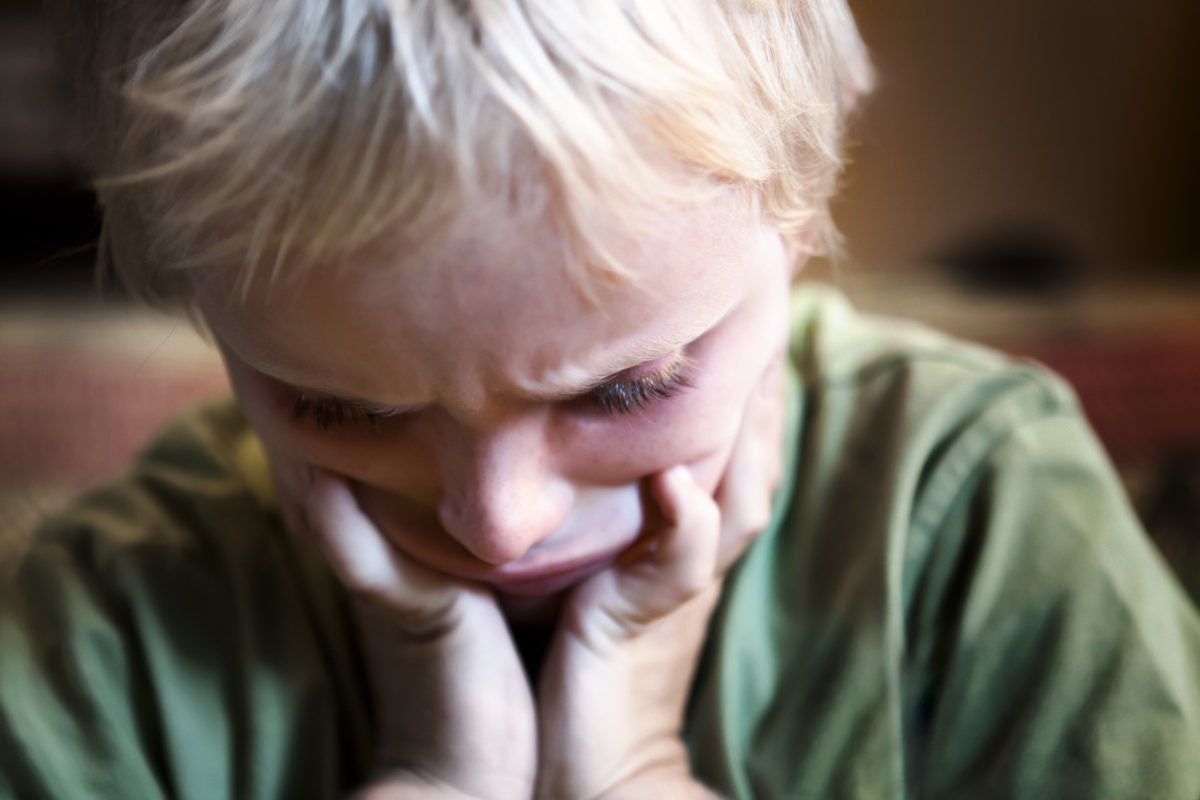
x=500 y=494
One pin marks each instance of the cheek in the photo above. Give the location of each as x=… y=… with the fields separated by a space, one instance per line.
x=696 y=428
x=699 y=426
x=287 y=468
x=289 y=444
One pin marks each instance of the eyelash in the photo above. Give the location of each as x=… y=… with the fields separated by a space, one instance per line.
x=327 y=414
x=612 y=399
x=625 y=397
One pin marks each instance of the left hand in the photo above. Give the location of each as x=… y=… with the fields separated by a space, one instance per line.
x=615 y=683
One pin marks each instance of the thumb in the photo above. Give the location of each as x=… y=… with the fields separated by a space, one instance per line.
x=670 y=565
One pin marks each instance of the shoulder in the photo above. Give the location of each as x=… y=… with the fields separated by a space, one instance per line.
x=909 y=420
x=957 y=502
x=925 y=378
x=947 y=458
x=196 y=492
x=166 y=605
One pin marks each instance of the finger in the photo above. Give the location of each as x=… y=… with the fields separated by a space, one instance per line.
x=755 y=464
x=450 y=700
x=691 y=530
x=348 y=539
x=363 y=559
x=672 y=564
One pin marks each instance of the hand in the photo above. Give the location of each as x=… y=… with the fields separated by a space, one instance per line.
x=454 y=711
x=613 y=690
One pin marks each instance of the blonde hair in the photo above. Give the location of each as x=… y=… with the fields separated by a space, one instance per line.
x=249 y=135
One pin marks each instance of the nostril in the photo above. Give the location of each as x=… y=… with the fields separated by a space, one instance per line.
x=497 y=550
x=500 y=494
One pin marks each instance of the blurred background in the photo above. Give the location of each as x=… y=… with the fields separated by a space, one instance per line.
x=1027 y=174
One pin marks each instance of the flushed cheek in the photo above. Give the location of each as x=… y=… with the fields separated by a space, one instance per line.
x=359 y=457
x=697 y=428
x=361 y=453
x=630 y=456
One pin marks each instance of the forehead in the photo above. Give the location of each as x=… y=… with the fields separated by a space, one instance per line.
x=494 y=311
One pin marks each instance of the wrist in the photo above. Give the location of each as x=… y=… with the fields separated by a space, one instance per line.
x=656 y=787
x=408 y=786
x=665 y=773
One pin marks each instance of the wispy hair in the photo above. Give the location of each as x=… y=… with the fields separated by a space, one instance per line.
x=265 y=137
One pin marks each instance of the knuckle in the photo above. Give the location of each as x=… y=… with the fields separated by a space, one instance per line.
x=693 y=584
x=411 y=621
x=370 y=587
x=759 y=518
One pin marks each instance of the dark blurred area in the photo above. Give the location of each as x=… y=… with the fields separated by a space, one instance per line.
x=49 y=216
x=86 y=377
x=1074 y=119
x=1023 y=135
x=1026 y=175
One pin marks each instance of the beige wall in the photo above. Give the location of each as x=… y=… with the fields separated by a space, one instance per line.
x=1081 y=115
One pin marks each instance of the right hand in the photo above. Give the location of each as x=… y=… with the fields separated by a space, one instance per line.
x=454 y=711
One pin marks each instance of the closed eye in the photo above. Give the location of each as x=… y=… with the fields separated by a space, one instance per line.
x=626 y=396
x=327 y=413
x=613 y=397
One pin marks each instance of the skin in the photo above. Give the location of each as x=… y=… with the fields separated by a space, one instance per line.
x=503 y=492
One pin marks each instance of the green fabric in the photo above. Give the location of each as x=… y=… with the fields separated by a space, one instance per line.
x=954 y=601
x=165 y=639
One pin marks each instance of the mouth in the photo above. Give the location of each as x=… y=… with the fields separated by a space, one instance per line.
x=553 y=578
x=561 y=560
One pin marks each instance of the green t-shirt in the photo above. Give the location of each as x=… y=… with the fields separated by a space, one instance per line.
x=954 y=600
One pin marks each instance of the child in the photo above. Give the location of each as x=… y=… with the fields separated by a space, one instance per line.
x=520 y=495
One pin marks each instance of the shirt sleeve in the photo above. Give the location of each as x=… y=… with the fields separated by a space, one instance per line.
x=1050 y=652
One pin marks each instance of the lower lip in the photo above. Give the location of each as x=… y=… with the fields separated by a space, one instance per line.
x=550 y=584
